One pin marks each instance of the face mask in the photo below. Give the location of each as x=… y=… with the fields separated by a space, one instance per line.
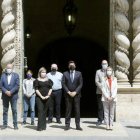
x=109 y=73
x=53 y=70
x=43 y=74
x=72 y=67
x=104 y=66
x=29 y=76
x=9 y=71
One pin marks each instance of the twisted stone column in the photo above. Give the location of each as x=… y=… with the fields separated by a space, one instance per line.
x=122 y=42
x=136 y=42
x=13 y=40
x=9 y=33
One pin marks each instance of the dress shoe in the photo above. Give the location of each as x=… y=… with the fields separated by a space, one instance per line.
x=111 y=127
x=107 y=127
x=59 y=122
x=32 y=123
x=79 y=128
x=49 y=121
x=15 y=127
x=67 y=128
x=24 y=122
x=39 y=129
x=4 y=127
x=98 y=123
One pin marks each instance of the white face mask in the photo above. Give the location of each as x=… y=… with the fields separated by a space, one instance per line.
x=43 y=74
x=104 y=66
x=9 y=71
x=109 y=73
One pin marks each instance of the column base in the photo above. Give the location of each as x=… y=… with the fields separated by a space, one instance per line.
x=136 y=83
x=123 y=83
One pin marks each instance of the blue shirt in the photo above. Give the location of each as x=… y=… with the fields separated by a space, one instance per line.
x=56 y=77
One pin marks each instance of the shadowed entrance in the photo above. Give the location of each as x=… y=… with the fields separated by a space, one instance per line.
x=87 y=55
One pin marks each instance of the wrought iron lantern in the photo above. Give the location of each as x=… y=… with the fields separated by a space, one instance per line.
x=70 y=16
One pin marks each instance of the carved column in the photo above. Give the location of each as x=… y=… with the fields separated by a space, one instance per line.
x=121 y=42
x=9 y=33
x=136 y=43
x=13 y=40
x=126 y=60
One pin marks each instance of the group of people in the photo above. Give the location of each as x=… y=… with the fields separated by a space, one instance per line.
x=46 y=91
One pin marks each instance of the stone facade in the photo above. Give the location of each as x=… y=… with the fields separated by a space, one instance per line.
x=124 y=49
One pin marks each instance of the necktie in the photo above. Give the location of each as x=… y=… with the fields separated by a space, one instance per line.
x=71 y=76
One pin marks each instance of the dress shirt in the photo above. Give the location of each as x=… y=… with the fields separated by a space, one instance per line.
x=9 y=76
x=73 y=74
x=56 y=77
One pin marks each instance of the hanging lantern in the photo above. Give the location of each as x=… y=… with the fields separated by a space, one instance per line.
x=70 y=16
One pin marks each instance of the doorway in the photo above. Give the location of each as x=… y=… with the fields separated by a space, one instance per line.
x=87 y=55
x=49 y=42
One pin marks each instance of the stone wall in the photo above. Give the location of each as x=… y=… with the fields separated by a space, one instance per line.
x=128 y=104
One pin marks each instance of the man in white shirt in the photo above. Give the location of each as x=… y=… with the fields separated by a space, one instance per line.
x=56 y=95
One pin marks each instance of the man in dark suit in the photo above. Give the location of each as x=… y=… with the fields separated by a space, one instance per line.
x=10 y=88
x=72 y=83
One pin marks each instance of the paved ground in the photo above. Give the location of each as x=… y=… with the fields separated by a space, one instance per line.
x=123 y=130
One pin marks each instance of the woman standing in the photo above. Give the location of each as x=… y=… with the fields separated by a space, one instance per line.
x=109 y=93
x=43 y=88
x=29 y=97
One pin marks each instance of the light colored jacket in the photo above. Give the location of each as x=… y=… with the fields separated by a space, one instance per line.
x=28 y=89
x=106 y=92
x=100 y=75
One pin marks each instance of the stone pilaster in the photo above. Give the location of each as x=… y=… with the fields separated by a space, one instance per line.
x=19 y=47
x=136 y=43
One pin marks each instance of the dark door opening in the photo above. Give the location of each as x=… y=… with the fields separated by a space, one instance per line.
x=45 y=22
x=87 y=55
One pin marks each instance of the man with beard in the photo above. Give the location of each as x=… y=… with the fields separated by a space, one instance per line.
x=72 y=83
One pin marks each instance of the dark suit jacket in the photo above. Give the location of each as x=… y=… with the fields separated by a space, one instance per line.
x=76 y=85
x=13 y=87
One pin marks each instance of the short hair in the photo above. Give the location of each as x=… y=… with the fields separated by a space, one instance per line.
x=40 y=70
x=10 y=64
x=104 y=60
x=71 y=61
x=109 y=67
x=29 y=71
x=52 y=65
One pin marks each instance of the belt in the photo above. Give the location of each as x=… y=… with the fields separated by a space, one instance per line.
x=56 y=90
